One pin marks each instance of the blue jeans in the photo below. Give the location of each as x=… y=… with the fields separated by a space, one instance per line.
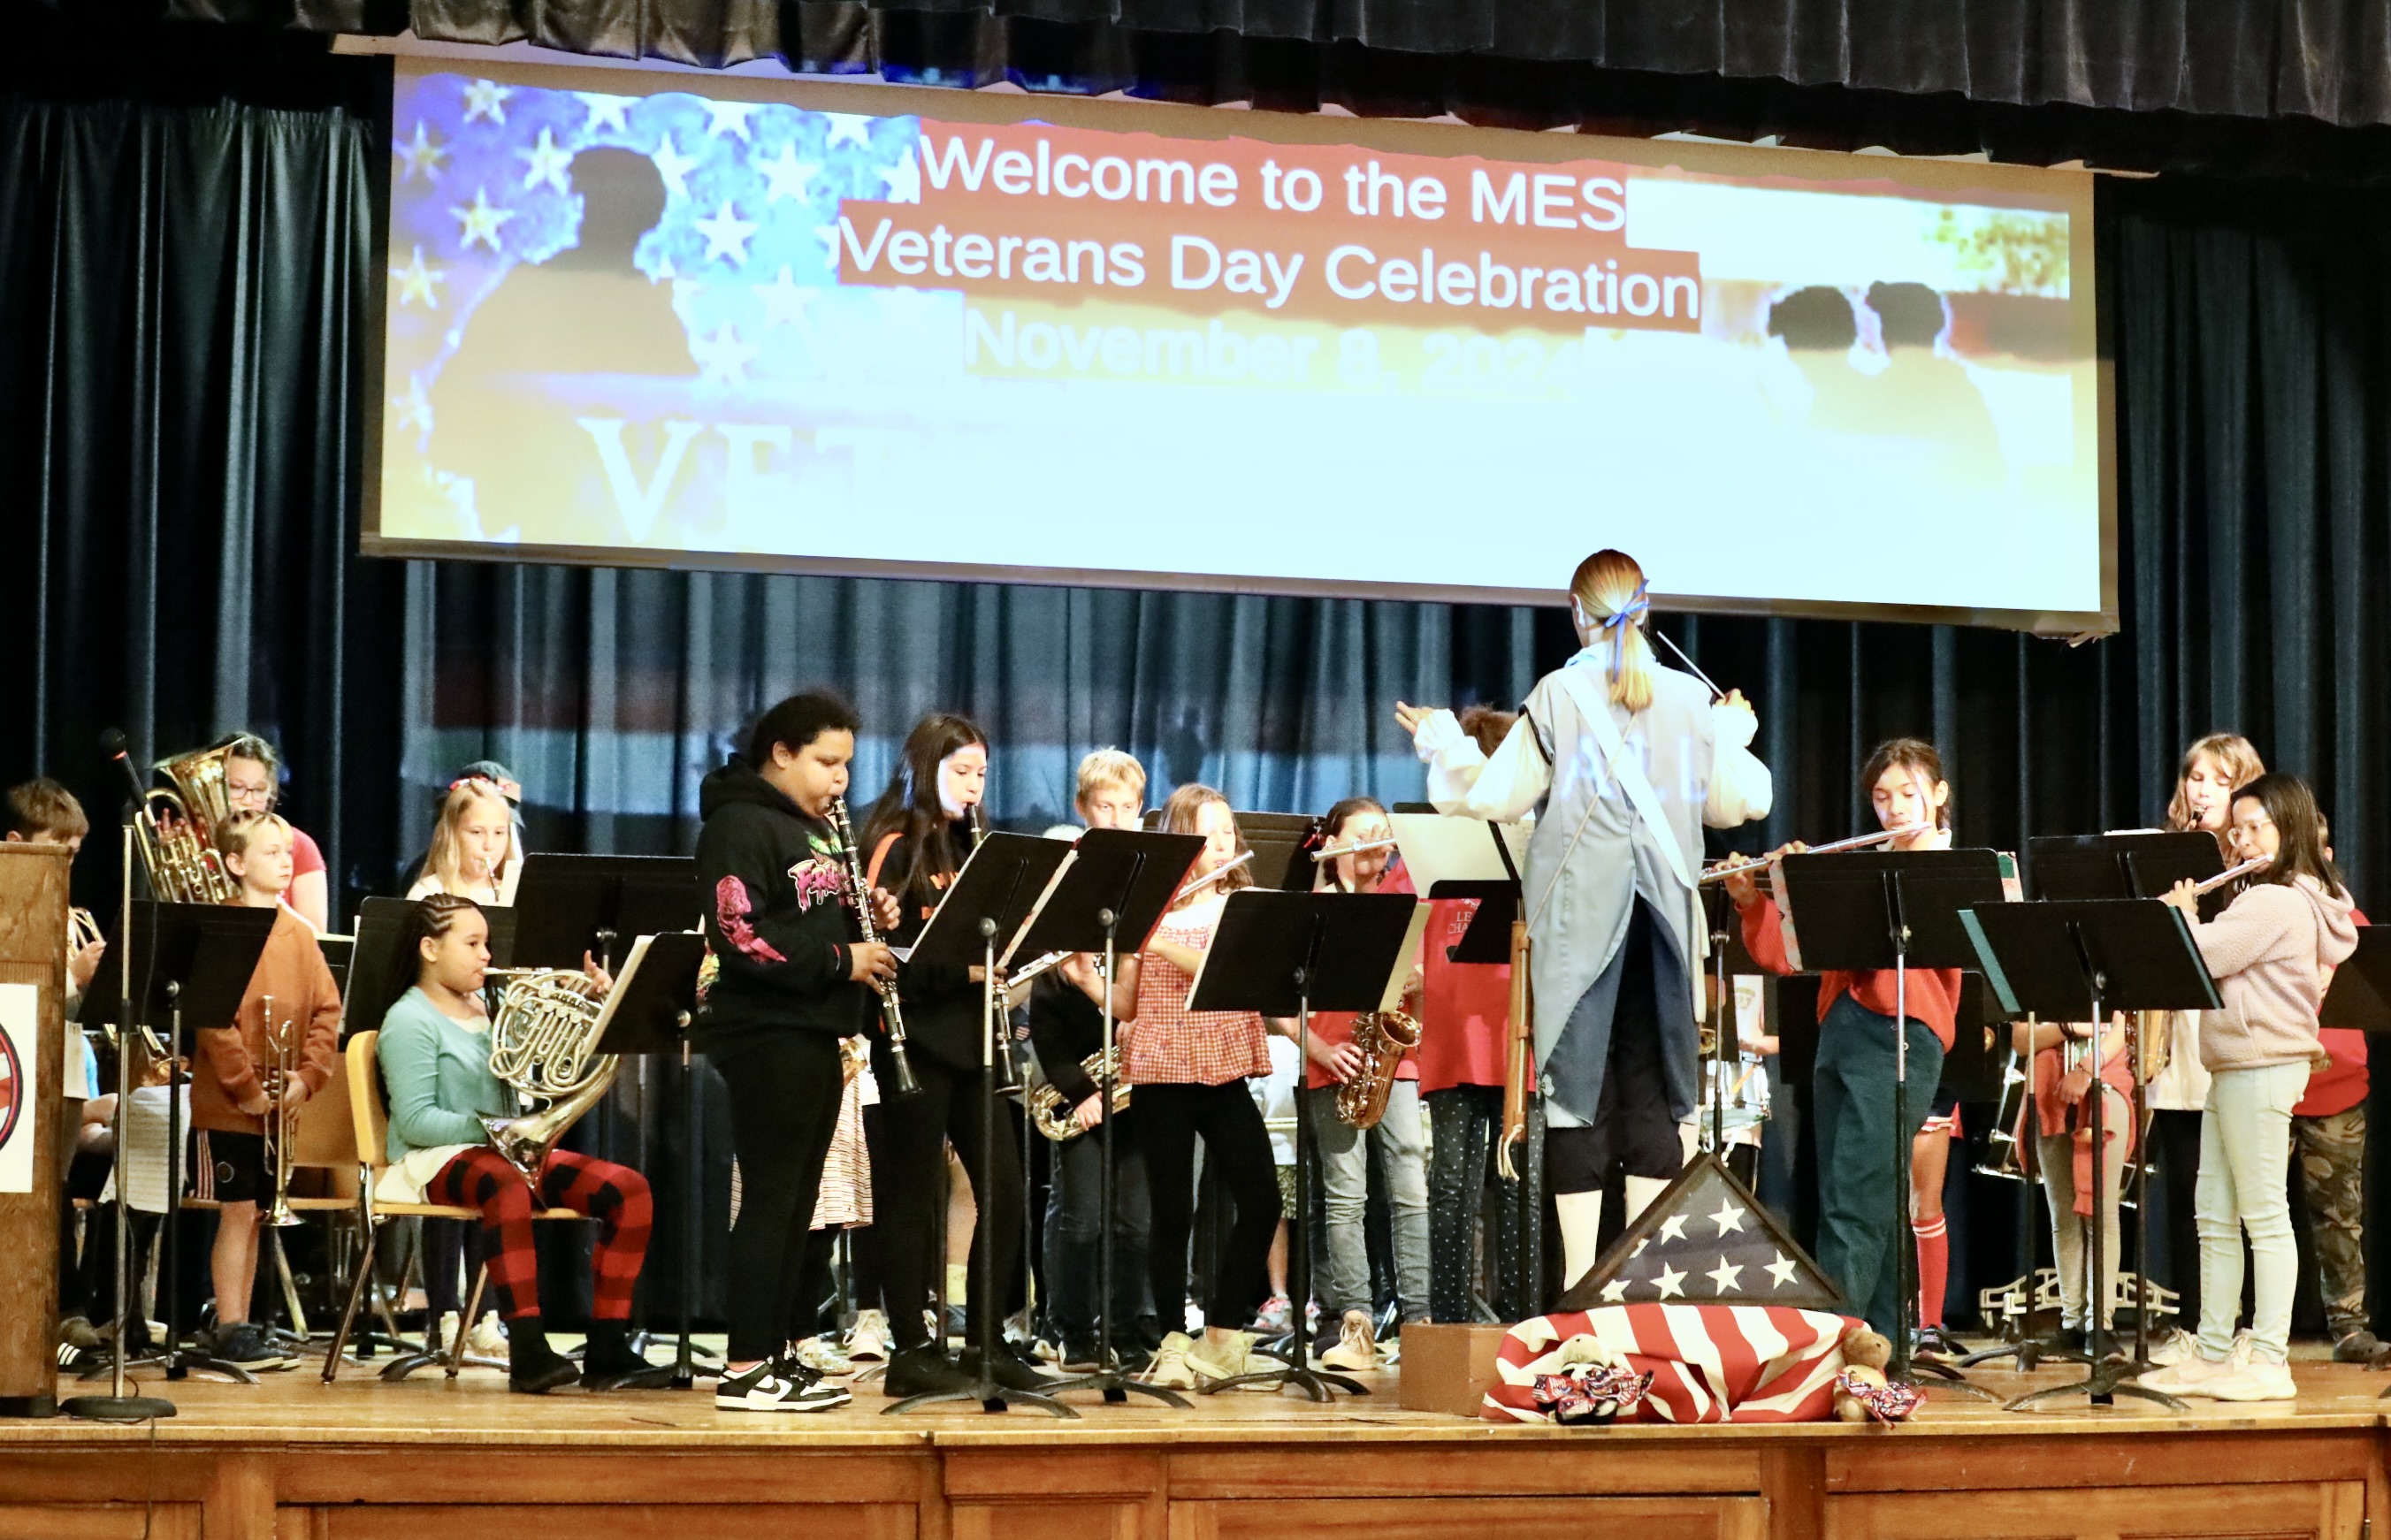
x=1863 y=1212
x=1344 y=1154
x=1074 y=1225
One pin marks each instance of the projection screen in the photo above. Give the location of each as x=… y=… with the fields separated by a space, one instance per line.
x=671 y=319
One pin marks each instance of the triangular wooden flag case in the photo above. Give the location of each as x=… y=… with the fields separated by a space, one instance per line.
x=1705 y=1240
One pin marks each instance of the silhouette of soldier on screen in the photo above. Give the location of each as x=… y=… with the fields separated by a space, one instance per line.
x=1925 y=395
x=1819 y=330
x=562 y=340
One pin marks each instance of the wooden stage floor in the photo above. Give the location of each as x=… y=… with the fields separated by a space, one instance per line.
x=365 y=1460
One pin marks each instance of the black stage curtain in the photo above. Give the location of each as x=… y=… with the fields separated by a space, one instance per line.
x=2137 y=83
x=181 y=411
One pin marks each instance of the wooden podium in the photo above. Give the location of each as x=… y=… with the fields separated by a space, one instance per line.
x=33 y=1029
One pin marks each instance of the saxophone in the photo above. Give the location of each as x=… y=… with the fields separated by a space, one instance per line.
x=1051 y=1113
x=1384 y=1037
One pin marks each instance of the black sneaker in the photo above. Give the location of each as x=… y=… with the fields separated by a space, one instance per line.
x=1009 y=1370
x=244 y=1346
x=1078 y=1355
x=533 y=1367
x=778 y=1385
x=925 y=1369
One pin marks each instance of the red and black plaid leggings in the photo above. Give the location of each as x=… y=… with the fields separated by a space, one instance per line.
x=615 y=1196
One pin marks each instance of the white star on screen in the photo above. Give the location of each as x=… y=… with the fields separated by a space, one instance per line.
x=421 y=153
x=726 y=234
x=903 y=179
x=414 y=407
x=416 y=281
x=1670 y=1283
x=487 y=99
x=481 y=221
x=848 y=128
x=608 y=112
x=723 y=357
x=547 y=162
x=785 y=302
x=673 y=166
x=728 y=118
x=787 y=176
x=1724 y=1276
x=1728 y=1217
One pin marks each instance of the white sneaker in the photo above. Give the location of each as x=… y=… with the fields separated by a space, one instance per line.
x=867 y=1342
x=487 y=1340
x=2256 y=1380
x=1230 y=1355
x=1357 y=1345
x=2174 y=1348
x=821 y=1355
x=1169 y=1369
x=2191 y=1376
x=773 y=1386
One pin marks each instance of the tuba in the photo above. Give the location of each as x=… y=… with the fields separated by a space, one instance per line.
x=175 y=830
x=541 y=1039
x=1052 y=1114
x=1384 y=1037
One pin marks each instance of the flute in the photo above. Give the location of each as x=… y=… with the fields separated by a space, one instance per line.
x=1183 y=894
x=2235 y=874
x=1329 y=853
x=1861 y=842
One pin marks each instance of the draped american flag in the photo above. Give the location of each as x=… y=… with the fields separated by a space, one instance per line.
x=1709 y=1362
x=1705 y=1240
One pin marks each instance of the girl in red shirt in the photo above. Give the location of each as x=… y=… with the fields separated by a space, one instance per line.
x=1852 y=1084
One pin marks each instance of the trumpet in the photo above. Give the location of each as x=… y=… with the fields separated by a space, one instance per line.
x=891 y=1010
x=2232 y=874
x=278 y=1126
x=1862 y=842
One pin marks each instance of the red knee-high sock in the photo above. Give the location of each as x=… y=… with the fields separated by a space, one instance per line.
x=1933 y=1268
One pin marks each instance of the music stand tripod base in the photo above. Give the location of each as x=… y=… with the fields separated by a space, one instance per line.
x=2103 y=1385
x=1116 y=1386
x=1315 y=1383
x=116 y=1408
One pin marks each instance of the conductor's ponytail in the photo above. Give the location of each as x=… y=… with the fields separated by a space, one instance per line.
x=1610 y=591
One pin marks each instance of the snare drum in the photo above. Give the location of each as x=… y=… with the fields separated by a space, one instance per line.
x=2001 y=1154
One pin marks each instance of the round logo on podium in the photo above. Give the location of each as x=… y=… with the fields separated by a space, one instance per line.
x=13 y=1089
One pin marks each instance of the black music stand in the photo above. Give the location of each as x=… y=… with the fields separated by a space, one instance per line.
x=2140 y=864
x=649 y=1012
x=1857 y=911
x=1114 y=887
x=1283 y=954
x=977 y=919
x=2047 y=960
x=197 y=960
x=1455 y=857
x=573 y=903
x=383 y=964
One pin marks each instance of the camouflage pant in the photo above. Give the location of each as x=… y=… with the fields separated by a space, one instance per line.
x=2332 y=1153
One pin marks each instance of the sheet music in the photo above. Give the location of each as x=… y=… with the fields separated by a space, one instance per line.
x=144 y=1155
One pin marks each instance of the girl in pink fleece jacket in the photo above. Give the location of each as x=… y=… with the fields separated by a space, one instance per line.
x=2271 y=952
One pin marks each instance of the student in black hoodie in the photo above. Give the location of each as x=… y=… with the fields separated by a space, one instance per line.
x=917 y=839
x=786 y=978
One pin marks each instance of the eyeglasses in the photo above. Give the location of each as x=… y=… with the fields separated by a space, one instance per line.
x=249 y=791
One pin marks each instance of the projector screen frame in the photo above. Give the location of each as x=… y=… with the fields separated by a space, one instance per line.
x=1397 y=135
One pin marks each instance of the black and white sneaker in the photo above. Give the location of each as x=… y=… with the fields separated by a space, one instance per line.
x=778 y=1385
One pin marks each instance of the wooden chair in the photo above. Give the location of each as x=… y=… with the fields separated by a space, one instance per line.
x=368 y=1147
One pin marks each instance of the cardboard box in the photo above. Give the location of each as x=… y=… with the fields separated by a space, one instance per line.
x=1447 y=1368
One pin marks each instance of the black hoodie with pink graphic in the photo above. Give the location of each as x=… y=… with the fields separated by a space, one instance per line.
x=780 y=918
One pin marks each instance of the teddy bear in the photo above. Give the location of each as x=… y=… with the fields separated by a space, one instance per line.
x=1865 y=1354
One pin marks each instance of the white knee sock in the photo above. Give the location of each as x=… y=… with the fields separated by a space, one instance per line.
x=1581 y=1217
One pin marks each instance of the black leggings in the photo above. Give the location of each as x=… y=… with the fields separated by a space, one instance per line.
x=908 y=1193
x=1238 y=1145
x=1632 y=1128
x=784 y=1094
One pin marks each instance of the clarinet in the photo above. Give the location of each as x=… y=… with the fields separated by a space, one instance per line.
x=891 y=1012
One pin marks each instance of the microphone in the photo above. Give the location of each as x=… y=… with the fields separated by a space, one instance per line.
x=119 y=751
